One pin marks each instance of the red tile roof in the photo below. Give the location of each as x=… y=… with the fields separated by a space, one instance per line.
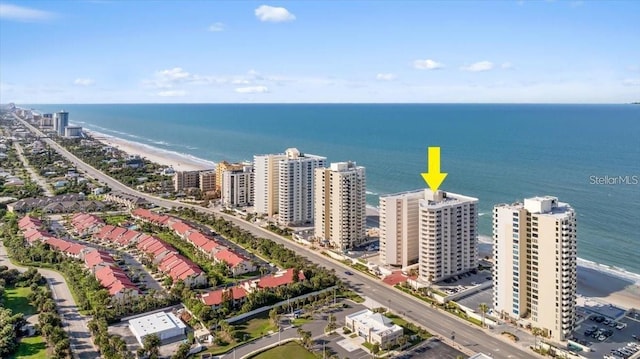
x=278 y=279
x=75 y=248
x=181 y=228
x=58 y=244
x=104 y=232
x=127 y=237
x=229 y=257
x=395 y=278
x=29 y=222
x=215 y=297
x=198 y=239
x=210 y=246
x=117 y=232
x=96 y=257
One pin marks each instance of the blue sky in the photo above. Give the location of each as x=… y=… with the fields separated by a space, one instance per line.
x=323 y=51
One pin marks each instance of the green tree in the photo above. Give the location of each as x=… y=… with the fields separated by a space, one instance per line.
x=484 y=308
x=151 y=344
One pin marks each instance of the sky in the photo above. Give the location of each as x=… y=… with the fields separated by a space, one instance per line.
x=517 y=51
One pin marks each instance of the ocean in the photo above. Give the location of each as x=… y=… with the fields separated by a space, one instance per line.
x=586 y=155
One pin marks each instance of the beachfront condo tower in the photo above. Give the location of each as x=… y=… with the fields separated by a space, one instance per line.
x=237 y=187
x=437 y=230
x=283 y=184
x=60 y=121
x=226 y=166
x=534 y=279
x=399 y=228
x=341 y=205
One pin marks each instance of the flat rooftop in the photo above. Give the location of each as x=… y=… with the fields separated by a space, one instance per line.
x=155 y=323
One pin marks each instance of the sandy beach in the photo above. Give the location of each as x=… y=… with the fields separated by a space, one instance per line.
x=179 y=161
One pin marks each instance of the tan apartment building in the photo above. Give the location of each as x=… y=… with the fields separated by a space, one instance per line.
x=185 y=179
x=226 y=166
x=399 y=228
x=340 y=205
x=207 y=180
x=535 y=264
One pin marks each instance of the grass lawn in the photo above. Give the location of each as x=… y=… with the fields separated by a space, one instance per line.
x=301 y=321
x=287 y=350
x=251 y=329
x=116 y=219
x=16 y=300
x=255 y=327
x=31 y=348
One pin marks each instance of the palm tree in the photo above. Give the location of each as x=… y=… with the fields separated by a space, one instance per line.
x=484 y=308
x=536 y=332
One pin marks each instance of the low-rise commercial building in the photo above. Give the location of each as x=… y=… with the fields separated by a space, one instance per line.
x=375 y=328
x=166 y=326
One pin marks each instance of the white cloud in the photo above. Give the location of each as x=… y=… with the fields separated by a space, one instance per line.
x=507 y=65
x=176 y=73
x=386 y=77
x=172 y=93
x=21 y=13
x=273 y=14
x=478 y=66
x=252 y=89
x=84 y=82
x=216 y=27
x=427 y=64
x=631 y=82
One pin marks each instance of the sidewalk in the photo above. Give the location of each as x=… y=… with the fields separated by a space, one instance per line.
x=269 y=340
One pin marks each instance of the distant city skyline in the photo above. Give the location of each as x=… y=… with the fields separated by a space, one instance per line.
x=307 y=52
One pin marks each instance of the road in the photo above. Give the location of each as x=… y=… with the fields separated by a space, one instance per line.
x=34 y=176
x=436 y=321
x=74 y=323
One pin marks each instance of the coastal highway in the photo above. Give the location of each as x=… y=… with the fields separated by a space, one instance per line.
x=436 y=321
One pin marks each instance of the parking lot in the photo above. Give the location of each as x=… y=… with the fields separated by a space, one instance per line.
x=464 y=281
x=605 y=336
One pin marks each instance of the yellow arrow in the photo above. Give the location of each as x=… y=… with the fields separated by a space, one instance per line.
x=434 y=177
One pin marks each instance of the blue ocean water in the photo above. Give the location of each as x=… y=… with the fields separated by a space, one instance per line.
x=498 y=153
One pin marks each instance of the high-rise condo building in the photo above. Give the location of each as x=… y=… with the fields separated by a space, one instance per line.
x=226 y=166
x=237 y=187
x=61 y=121
x=448 y=235
x=283 y=184
x=535 y=264
x=437 y=230
x=399 y=228
x=340 y=205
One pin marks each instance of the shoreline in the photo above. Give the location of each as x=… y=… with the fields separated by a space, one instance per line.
x=178 y=161
x=187 y=162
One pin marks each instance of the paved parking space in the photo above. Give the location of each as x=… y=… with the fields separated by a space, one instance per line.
x=473 y=301
x=592 y=305
x=619 y=338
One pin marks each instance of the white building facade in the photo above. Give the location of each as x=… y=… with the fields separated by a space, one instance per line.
x=374 y=327
x=340 y=205
x=283 y=184
x=448 y=235
x=238 y=187
x=535 y=257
